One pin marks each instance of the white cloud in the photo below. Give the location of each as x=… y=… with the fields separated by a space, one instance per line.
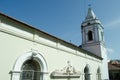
x=110 y=50
x=113 y=23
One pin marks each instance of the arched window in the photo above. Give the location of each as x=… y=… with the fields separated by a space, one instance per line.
x=86 y=73
x=30 y=70
x=90 y=36
x=98 y=74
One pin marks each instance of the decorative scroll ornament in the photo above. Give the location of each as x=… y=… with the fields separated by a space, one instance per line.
x=67 y=72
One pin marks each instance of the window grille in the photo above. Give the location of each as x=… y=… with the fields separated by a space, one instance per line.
x=30 y=75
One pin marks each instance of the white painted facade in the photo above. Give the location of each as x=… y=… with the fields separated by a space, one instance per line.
x=20 y=43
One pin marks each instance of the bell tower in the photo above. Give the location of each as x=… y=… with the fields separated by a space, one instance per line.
x=93 y=39
x=92 y=34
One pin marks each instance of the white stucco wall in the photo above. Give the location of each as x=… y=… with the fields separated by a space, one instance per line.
x=17 y=39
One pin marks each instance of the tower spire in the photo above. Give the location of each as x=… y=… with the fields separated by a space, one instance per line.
x=90 y=15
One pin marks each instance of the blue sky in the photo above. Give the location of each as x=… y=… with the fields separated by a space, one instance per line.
x=63 y=18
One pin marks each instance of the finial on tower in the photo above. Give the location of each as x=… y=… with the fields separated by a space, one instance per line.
x=89 y=5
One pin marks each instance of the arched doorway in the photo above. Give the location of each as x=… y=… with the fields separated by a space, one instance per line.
x=30 y=70
x=28 y=66
x=86 y=73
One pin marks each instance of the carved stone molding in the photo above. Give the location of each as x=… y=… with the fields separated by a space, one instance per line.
x=67 y=72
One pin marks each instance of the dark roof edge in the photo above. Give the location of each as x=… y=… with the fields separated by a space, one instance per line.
x=80 y=49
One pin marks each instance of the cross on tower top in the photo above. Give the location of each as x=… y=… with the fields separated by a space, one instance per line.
x=89 y=5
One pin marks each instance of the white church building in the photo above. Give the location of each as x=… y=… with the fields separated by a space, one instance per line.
x=27 y=53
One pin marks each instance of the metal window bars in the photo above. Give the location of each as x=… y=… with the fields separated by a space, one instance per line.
x=98 y=76
x=31 y=75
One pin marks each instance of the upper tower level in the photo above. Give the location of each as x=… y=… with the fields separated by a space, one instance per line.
x=92 y=33
x=92 y=29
